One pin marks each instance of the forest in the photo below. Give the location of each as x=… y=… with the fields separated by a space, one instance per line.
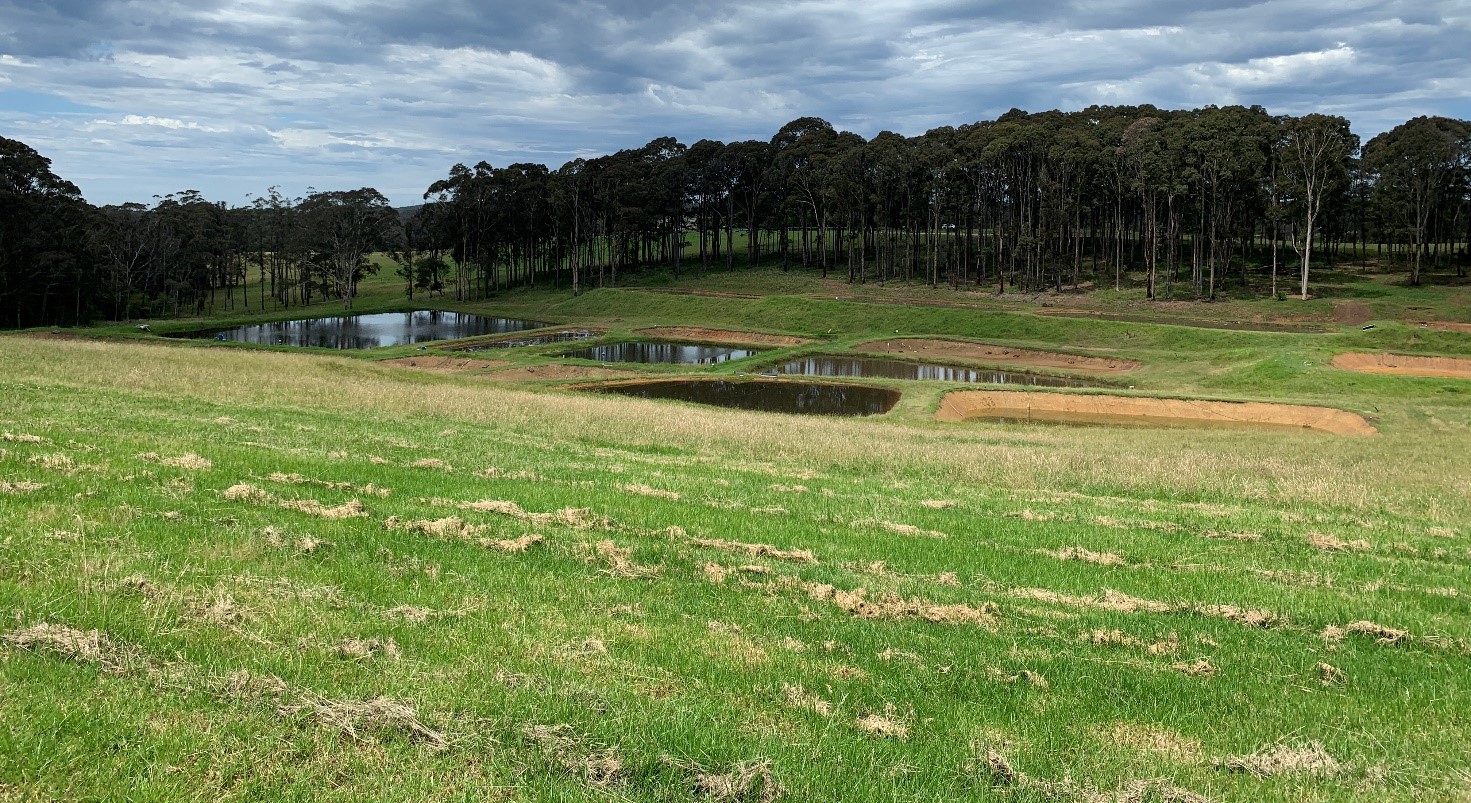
x=1183 y=204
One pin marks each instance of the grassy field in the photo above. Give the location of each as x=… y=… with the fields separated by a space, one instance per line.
x=265 y=574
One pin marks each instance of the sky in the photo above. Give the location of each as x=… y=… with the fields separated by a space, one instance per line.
x=133 y=99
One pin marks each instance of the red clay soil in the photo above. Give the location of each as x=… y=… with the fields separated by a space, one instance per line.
x=1405 y=365
x=723 y=336
x=1068 y=408
x=981 y=352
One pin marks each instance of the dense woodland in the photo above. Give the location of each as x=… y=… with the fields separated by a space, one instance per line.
x=1186 y=204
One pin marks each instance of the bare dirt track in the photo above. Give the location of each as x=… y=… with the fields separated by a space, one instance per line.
x=445 y=365
x=723 y=336
x=1132 y=411
x=981 y=352
x=1405 y=365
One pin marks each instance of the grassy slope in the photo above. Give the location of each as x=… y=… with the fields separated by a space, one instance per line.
x=221 y=672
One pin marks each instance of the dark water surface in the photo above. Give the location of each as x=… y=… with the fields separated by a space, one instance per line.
x=878 y=367
x=663 y=352
x=804 y=398
x=367 y=331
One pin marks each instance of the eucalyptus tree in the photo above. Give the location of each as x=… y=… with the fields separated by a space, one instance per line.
x=1314 y=153
x=1419 y=170
x=342 y=229
x=43 y=223
x=800 y=152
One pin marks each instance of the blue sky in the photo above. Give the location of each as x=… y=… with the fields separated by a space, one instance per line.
x=136 y=98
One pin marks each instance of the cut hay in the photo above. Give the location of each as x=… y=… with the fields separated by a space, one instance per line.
x=937 y=504
x=1109 y=600
x=245 y=492
x=857 y=603
x=89 y=647
x=350 y=509
x=450 y=528
x=190 y=461
x=886 y=725
x=432 y=462
x=1142 y=738
x=901 y=529
x=24 y=486
x=645 y=490
x=1243 y=616
x=757 y=550
x=1387 y=636
x=512 y=545
x=364 y=720
x=789 y=489
x=597 y=765
x=576 y=518
x=1310 y=760
x=617 y=562
x=1329 y=543
x=356 y=649
x=1198 y=668
x=1330 y=675
x=746 y=782
x=1085 y=555
x=20 y=437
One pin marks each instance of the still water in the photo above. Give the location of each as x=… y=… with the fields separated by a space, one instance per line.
x=876 y=367
x=804 y=398
x=367 y=331
x=663 y=352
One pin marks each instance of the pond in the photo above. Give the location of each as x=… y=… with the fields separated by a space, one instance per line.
x=563 y=336
x=803 y=398
x=662 y=351
x=877 y=367
x=366 y=331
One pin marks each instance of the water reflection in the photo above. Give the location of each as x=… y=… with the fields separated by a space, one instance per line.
x=804 y=398
x=876 y=367
x=663 y=352
x=367 y=331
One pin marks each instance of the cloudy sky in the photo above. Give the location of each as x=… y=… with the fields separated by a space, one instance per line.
x=136 y=98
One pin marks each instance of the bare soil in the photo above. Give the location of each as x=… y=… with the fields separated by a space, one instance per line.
x=551 y=372
x=723 y=336
x=1353 y=313
x=1405 y=365
x=981 y=352
x=1447 y=326
x=446 y=365
x=1125 y=411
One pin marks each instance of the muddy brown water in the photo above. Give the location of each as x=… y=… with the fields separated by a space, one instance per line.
x=663 y=352
x=880 y=368
x=366 y=331
x=801 y=398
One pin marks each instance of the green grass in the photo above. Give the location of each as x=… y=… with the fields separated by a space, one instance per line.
x=238 y=640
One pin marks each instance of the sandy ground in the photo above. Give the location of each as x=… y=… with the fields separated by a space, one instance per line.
x=549 y=372
x=723 y=336
x=1404 y=364
x=1447 y=326
x=1121 y=410
x=445 y=365
x=980 y=352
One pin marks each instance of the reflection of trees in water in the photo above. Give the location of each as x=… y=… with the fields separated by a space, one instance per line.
x=811 y=398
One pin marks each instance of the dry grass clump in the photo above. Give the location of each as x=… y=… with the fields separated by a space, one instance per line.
x=1109 y=600
x=1140 y=738
x=597 y=765
x=996 y=770
x=432 y=462
x=618 y=563
x=715 y=573
x=360 y=720
x=350 y=509
x=1111 y=638
x=245 y=492
x=788 y=489
x=220 y=609
x=1230 y=536
x=746 y=782
x=1329 y=543
x=938 y=504
x=189 y=461
x=645 y=490
x=357 y=649
x=450 y=528
x=577 y=518
x=886 y=725
x=901 y=529
x=1200 y=667
x=1280 y=759
x=1388 y=636
x=89 y=647
x=24 y=486
x=757 y=550
x=794 y=696
x=20 y=437
x=1243 y=616
x=1084 y=555
x=411 y=614
x=1330 y=675
x=858 y=604
x=54 y=462
x=512 y=545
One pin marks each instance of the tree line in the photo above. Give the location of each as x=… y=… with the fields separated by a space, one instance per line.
x=1181 y=203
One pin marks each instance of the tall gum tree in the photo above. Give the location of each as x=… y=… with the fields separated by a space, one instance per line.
x=1315 y=150
x=1416 y=167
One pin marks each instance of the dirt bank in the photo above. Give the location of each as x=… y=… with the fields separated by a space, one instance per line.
x=437 y=364
x=1447 y=326
x=1405 y=365
x=1353 y=313
x=1128 y=411
x=981 y=352
x=558 y=372
x=723 y=336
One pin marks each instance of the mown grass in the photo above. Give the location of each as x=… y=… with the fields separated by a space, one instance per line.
x=1044 y=614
